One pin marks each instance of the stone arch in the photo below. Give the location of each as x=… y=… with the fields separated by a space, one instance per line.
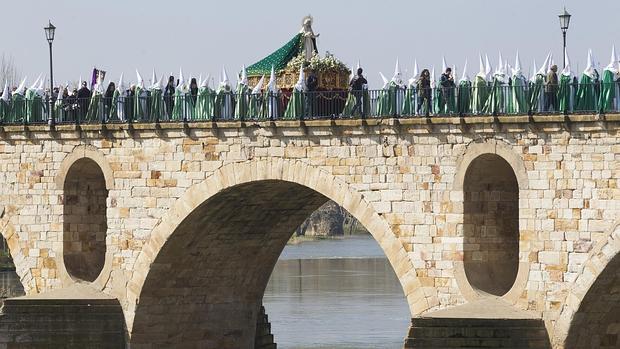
x=24 y=272
x=284 y=180
x=85 y=178
x=593 y=300
x=502 y=157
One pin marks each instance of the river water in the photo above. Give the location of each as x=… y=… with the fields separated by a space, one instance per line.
x=337 y=294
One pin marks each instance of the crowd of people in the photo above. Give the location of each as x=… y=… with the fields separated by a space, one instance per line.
x=503 y=91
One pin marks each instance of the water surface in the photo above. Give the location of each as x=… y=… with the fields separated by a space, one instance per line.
x=336 y=294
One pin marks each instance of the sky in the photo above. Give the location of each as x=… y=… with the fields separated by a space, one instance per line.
x=202 y=37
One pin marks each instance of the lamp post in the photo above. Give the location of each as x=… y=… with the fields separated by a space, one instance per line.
x=564 y=22
x=49 y=35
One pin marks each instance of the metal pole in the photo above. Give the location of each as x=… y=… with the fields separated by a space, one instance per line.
x=51 y=120
x=564 y=51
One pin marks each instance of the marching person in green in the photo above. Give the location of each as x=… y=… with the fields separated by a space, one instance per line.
x=156 y=98
x=94 y=112
x=464 y=93
x=565 y=92
x=479 y=90
x=272 y=98
x=34 y=101
x=397 y=92
x=243 y=95
x=537 y=86
x=586 y=95
x=383 y=100
x=117 y=109
x=140 y=98
x=350 y=102
x=496 y=100
x=179 y=110
x=609 y=86
x=411 y=95
x=518 y=93
x=5 y=104
x=18 y=104
x=224 y=103
x=204 y=101
x=255 y=109
x=295 y=107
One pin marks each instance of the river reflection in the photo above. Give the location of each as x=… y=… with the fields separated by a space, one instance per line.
x=321 y=296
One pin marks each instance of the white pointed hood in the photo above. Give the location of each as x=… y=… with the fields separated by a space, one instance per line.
x=272 y=86
x=464 y=76
x=482 y=69
x=244 y=75
x=533 y=69
x=155 y=83
x=301 y=81
x=488 y=69
x=613 y=62
x=204 y=83
x=259 y=85
x=517 y=71
x=5 y=92
x=181 y=86
x=444 y=66
x=21 y=88
x=121 y=85
x=224 y=80
x=61 y=91
x=566 y=71
x=543 y=67
x=550 y=63
x=384 y=79
x=140 y=82
x=398 y=77
x=433 y=82
x=500 y=65
x=36 y=83
x=40 y=89
x=416 y=74
x=589 y=71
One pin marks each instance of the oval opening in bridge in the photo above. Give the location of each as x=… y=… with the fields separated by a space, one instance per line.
x=491 y=225
x=84 y=220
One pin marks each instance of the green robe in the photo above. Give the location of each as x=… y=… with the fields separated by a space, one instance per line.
x=33 y=106
x=608 y=92
x=480 y=94
x=272 y=105
x=586 y=97
x=178 y=112
x=224 y=104
x=241 y=107
x=295 y=106
x=139 y=104
x=518 y=96
x=114 y=107
x=18 y=108
x=397 y=99
x=348 y=105
x=204 y=104
x=496 y=99
x=5 y=110
x=384 y=102
x=156 y=105
x=256 y=107
x=410 y=101
x=536 y=93
x=463 y=97
x=94 y=108
x=565 y=94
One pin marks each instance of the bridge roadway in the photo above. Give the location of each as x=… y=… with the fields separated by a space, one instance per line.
x=177 y=226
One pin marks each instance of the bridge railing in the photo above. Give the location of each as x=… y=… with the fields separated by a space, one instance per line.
x=465 y=100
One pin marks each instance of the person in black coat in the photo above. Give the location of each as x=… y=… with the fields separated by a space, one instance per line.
x=83 y=96
x=357 y=86
x=312 y=84
x=169 y=96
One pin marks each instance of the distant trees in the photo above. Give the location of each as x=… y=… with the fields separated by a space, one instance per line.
x=8 y=71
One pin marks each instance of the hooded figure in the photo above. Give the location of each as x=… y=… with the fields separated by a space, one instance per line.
x=463 y=99
x=95 y=107
x=350 y=103
x=255 y=108
x=5 y=104
x=565 y=91
x=411 y=96
x=224 y=102
x=140 y=99
x=273 y=107
x=480 y=89
x=18 y=107
x=609 y=87
x=496 y=101
x=204 y=101
x=383 y=101
x=156 y=100
x=179 y=112
x=586 y=93
x=536 y=90
x=397 y=92
x=517 y=103
x=117 y=110
x=295 y=106
x=32 y=107
x=243 y=96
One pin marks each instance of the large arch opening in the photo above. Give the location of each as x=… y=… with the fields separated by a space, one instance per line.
x=596 y=324
x=491 y=225
x=84 y=220
x=206 y=284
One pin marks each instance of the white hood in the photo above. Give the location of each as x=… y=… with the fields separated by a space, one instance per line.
x=140 y=82
x=566 y=71
x=301 y=81
x=259 y=85
x=398 y=77
x=464 y=76
x=5 y=92
x=272 y=86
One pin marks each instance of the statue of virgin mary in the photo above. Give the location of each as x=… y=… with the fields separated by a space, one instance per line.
x=309 y=38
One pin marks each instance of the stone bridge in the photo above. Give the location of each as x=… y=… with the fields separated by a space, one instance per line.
x=180 y=225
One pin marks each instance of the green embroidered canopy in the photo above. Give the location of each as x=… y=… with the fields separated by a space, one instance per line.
x=278 y=59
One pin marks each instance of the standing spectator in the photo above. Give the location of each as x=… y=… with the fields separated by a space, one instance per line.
x=424 y=92
x=447 y=91
x=312 y=83
x=169 y=96
x=357 y=85
x=193 y=90
x=83 y=96
x=551 y=89
x=107 y=100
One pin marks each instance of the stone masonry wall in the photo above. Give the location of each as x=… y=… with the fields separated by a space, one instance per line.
x=410 y=171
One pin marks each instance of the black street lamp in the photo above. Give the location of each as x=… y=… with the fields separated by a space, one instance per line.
x=564 y=22
x=49 y=35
